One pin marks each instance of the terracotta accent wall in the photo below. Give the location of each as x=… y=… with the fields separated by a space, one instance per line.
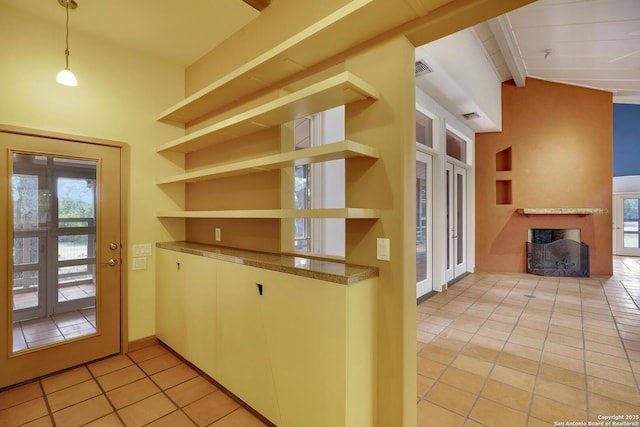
x=561 y=152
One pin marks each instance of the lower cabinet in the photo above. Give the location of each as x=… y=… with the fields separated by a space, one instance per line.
x=186 y=306
x=299 y=351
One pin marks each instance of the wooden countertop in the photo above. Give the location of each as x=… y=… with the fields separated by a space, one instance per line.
x=326 y=270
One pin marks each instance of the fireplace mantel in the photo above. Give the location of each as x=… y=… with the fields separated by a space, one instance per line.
x=562 y=211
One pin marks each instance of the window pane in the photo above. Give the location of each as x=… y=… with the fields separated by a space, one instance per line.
x=26 y=203
x=79 y=246
x=25 y=289
x=76 y=282
x=76 y=201
x=456 y=147
x=25 y=250
x=631 y=208
x=424 y=129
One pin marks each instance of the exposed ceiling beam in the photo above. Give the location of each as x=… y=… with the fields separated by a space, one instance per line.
x=501 y=29
x=259 y=5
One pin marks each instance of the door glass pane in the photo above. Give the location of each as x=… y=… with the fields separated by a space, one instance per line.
x=631 y=226
x=421 y=221
x=448 y=216
x=54 y=241
x=460 y=208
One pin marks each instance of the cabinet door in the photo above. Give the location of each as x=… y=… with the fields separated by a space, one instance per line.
x=243 y=364
x=305 y=321
x=186 y=306
x=170 y=301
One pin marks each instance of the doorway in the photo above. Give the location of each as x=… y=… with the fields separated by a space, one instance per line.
x=456 y=221
x=62 y=256
x=627 y=224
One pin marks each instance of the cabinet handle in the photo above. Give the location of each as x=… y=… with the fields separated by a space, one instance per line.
x=259 y=288
x=178 y=265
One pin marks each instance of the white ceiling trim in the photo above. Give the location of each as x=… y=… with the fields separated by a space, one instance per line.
x=501 y=29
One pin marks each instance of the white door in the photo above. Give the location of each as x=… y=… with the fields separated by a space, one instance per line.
x=627 y=224
x=456 y=220
x=424 y=210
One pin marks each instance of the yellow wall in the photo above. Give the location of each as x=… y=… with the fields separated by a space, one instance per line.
x=119 y=93
x=386 y=62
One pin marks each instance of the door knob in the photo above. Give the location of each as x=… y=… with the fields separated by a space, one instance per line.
x=113 y=246
x=112 y=262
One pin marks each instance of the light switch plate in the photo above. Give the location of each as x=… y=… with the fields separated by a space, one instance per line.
x=383 y=249
x=139 y=263
x=142 y=250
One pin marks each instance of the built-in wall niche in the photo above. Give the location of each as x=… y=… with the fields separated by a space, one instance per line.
x=503 y=192
x=503 y=160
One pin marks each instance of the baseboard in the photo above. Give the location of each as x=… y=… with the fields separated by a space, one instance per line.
x=142 y=343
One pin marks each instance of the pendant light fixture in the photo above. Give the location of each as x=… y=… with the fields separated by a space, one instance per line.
x=66 y=77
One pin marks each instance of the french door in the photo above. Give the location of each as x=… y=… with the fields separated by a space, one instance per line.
x=62 y=256
x=627 y=224
x=424 y=220
x=456 y=221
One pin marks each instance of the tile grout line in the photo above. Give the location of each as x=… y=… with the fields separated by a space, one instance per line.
x=46 y=402
x=542 y=350
x=622 y=341
x=104 y=393
x=459 y=352
x=486 y=379
x=584 y=349
x=163 y=391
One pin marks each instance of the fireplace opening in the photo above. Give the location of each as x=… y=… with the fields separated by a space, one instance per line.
x=557 y=252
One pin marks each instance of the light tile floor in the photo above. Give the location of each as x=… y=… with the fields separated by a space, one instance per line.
x=522 y=350
x=494 y=350
x=148 y=387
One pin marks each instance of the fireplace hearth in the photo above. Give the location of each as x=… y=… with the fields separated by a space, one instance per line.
x=552 y=252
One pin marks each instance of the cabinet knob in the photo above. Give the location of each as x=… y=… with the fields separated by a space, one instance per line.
x=259 y=288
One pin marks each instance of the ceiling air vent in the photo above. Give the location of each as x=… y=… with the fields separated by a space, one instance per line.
x=470 y=116
x=422 y=68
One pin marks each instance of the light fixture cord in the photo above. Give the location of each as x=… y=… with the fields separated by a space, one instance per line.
x=66 y=51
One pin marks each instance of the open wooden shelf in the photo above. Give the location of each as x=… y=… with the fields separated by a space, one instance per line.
x=340 y=89
x=281 y=61
x=322 y=153
x=350 y=213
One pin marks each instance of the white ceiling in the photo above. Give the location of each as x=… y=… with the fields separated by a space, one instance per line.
x=592 y=43
x=176 y=31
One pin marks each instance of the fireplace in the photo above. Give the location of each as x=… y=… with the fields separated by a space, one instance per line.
x=557 y=252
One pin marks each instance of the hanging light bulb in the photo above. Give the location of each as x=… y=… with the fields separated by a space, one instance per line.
x=65 y=76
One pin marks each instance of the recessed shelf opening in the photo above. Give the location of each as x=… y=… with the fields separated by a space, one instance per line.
x=503 y=160
x=503 y=192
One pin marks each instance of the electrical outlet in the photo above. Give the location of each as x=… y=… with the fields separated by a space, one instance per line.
x=218 y=238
